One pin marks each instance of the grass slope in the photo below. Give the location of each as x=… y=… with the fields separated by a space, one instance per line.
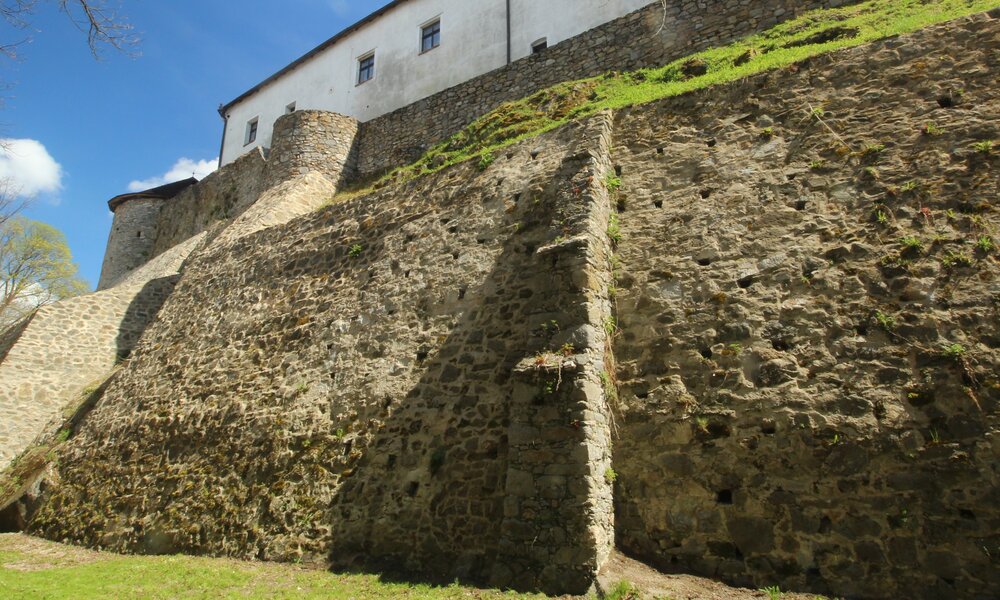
x=187 y=577
x=815 y=33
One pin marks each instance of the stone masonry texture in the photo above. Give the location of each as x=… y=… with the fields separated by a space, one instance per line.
x=223 y=195
x=348 y=378
x=770 y=357
x=47 y=361
x=67 y=346
x=313 y=141
x=791 y=413
x=648 y=37
x=130 y=243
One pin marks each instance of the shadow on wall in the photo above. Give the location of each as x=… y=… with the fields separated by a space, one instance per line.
x=10 y=335
x=425 y=495
x=141 y=312
x=352 y=403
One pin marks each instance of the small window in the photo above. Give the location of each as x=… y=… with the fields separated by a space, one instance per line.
x=430 y=36
x=251 y=136
x=540 y=45
x=290 y=108
x=366 y=68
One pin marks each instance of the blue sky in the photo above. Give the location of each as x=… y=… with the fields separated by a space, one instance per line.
x=121 y=120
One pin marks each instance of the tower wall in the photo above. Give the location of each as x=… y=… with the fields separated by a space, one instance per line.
x=130 y=243
x=312 y=141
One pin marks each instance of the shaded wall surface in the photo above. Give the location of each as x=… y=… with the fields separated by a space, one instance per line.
x=130 y=242
x=339 y=388
x=810 y=340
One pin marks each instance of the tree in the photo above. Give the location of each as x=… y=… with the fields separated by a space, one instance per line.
x=99 y=19
x=36 y=269
x=11 y=202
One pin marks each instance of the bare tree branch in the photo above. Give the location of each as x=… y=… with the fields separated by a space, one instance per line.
x=103 y=25
x=99 y=19
x=16 y=13
x=11 y=202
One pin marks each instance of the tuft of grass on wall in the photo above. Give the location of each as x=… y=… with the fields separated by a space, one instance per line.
x=812 y=34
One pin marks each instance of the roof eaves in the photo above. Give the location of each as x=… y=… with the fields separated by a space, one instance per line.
x=163 y=192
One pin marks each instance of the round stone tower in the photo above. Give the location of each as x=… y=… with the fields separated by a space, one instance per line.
x=312 y=141
x=133 y=232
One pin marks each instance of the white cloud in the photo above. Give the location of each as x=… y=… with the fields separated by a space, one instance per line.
x=28 y=168
x=182 y=169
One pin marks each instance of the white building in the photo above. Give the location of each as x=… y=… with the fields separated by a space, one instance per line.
x=405 y=51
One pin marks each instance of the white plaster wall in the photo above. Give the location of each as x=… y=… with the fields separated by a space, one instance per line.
x=559 y=20
x=473 y=42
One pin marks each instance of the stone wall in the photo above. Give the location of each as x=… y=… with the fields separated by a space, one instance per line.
x=557 y=527
x=223 y=195
x=347 y=380
x=645 y=38
x=797 y=412
x=68 y=345
x=805 y=326
x=130 y=243
x=308 y=141
x=9 y=336
x=341 y=150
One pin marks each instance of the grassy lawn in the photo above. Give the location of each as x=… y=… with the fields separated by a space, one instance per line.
x=810 y=35
x=26 y=575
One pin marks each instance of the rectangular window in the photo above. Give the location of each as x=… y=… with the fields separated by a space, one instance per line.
x=290 y=108
x=366 y=68
x=540 y=45
x=251 y=135
x=430 y=36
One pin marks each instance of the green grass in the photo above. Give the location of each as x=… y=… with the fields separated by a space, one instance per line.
x=812 y=34
x=188 y=577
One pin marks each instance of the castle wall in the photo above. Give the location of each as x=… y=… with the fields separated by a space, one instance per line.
x=644 y=38
x=791 y=414
x=222 y=195
x=419 y=379
x=309 y=141
x=68 y=345
x=353 y=367
x=130 y=243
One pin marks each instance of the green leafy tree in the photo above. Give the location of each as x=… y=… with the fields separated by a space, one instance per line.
x=36 y=268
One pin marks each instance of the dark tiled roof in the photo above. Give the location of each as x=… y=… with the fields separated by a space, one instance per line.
x=294 y=64
x=164 y=192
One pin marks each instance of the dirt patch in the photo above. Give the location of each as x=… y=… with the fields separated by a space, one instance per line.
x=651 y=583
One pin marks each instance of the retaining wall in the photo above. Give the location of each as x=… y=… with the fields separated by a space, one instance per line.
x=355 y=368
x=791 y=414
x=70 y=344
